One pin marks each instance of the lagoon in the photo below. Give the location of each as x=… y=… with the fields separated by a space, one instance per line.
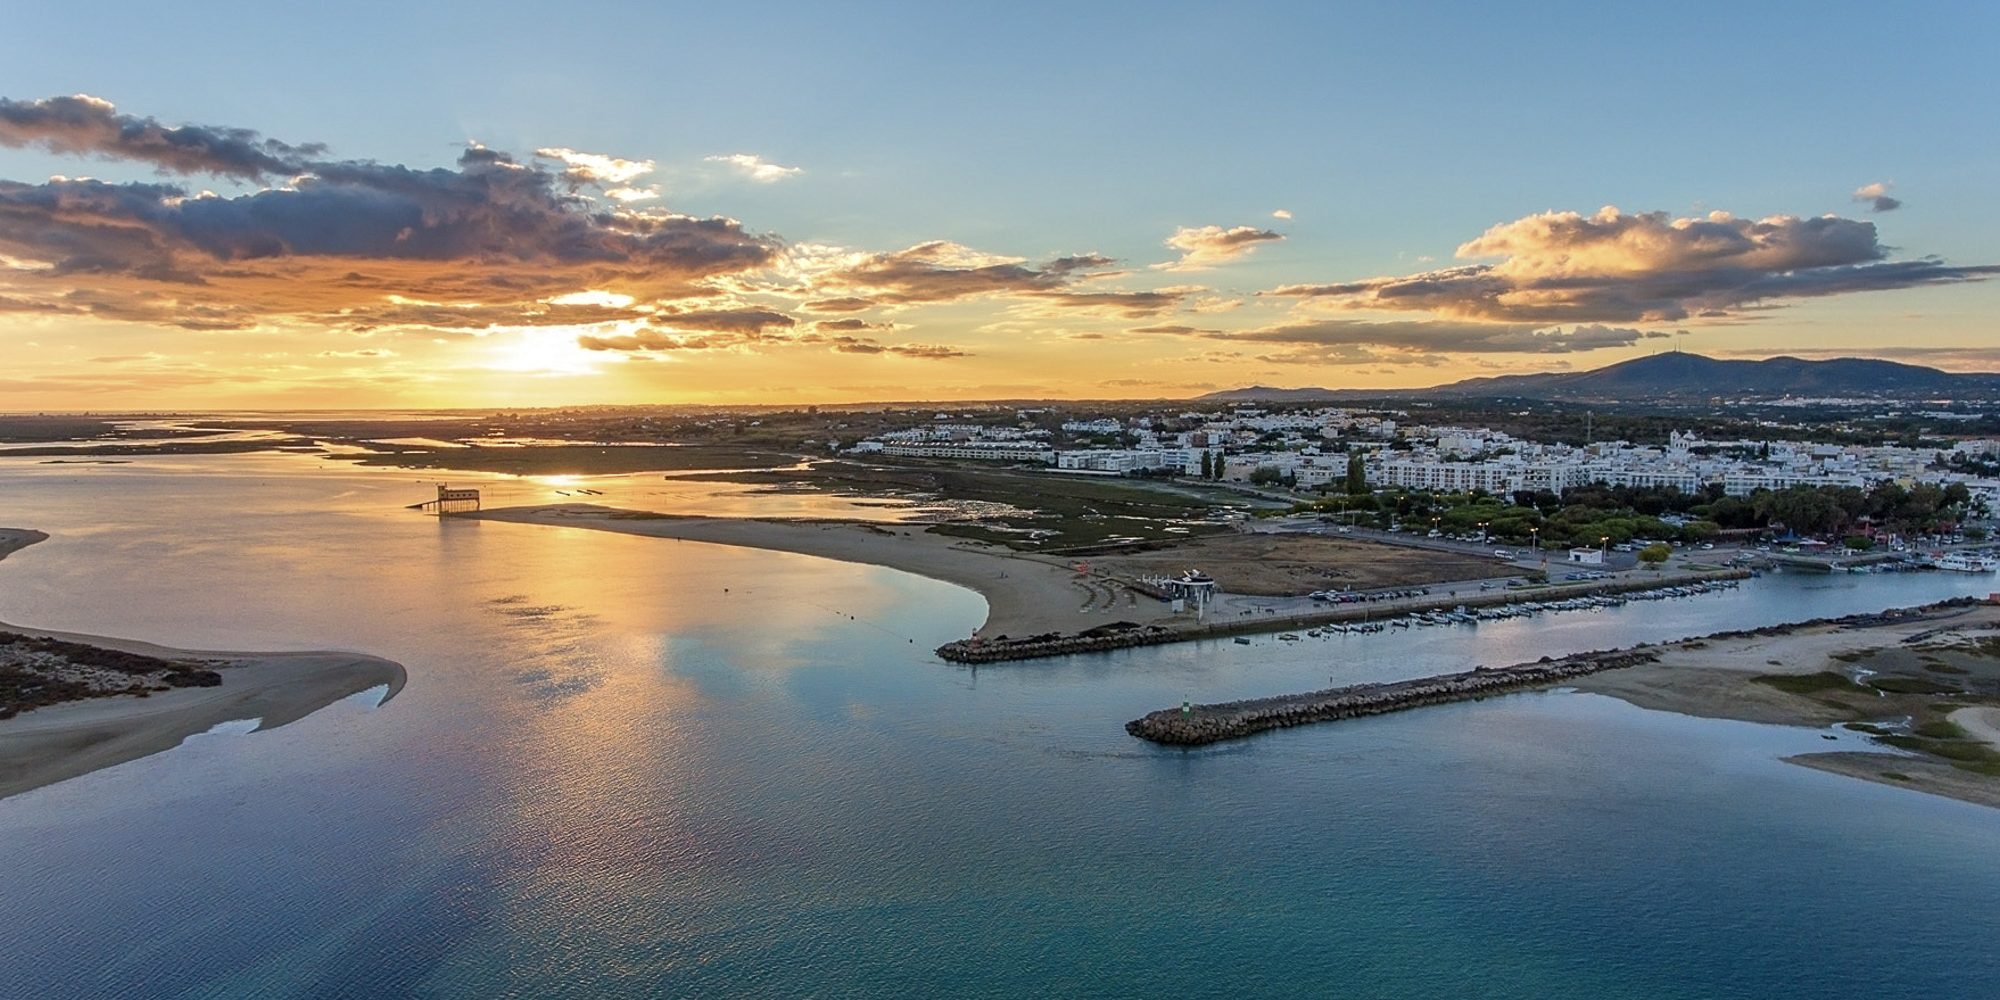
x=633 y=767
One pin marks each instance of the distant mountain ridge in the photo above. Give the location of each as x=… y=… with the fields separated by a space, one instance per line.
x=1679 y=377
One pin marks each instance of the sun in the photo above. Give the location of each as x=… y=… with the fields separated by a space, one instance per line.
x=544 y=351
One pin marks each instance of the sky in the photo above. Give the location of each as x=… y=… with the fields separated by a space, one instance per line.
x=513 y=205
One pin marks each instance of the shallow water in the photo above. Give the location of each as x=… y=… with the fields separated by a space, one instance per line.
x=635 y=767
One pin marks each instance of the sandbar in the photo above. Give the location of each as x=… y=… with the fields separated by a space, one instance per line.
x=1716 y=677
x=1026 y=594
x=57 y=742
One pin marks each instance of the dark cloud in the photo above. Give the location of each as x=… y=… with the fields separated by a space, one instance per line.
x=1876 y=197
x=843 y=304
x=87 y=126
x=744 y=320
x=363 y=244
x=662 y=340
x=941 y=271
x=850 y=325
x=1131 y=305
x=1610 y=267
x=931 y=353
x=1171 y=328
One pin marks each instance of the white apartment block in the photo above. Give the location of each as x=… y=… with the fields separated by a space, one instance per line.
x=977 y=451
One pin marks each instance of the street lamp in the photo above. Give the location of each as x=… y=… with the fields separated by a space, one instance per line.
x=1482 y=531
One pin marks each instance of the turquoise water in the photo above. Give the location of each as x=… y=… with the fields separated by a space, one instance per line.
x=608 y=777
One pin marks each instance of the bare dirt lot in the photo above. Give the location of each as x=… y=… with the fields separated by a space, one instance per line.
x=1285 y=565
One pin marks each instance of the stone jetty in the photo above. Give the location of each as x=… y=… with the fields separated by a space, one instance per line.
x=1198 y=725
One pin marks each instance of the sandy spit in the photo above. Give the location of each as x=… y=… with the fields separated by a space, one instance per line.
x=51 y=744
x=1025 y=594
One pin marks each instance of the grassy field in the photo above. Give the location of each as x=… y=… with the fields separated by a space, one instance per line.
x=1285 y=565
x=1029 y=510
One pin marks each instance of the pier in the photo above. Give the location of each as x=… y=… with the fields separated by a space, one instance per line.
x=450 y=501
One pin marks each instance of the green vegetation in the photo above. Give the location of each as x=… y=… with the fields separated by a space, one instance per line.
x=1966 y=755
x=1598 y=514
x=1825 y=680
x=26 y=682
x=1910 y=685
x=1941 y=729
x=1031 y=510
x=1655 y=554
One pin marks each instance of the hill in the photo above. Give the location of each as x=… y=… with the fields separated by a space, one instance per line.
x=1680 y=377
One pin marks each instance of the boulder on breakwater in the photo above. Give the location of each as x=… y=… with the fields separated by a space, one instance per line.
x=1199 y=725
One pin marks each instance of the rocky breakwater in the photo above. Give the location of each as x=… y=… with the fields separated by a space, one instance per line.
x=1109 y=636
x=1198 y=725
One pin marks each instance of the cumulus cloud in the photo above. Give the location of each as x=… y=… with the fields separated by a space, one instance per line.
x=1203 y=247
x=1876 y=197
x=350 y=242
x=89 y=126
x=757 y=168
x=943 y=271
x=1283 y=213
x=490 y=242
x=1613 y=267
x=596 y=168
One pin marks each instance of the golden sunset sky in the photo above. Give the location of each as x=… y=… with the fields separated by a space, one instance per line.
x=814 y=205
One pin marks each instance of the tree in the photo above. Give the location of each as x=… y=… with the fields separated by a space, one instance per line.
x=1357 y=476
x=1655 y=554
x=1265 y=475
x=1859 y=543
x=1207 y=465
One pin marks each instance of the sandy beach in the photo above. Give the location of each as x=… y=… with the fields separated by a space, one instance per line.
x=1717 y=678
x=56 y=742
x=1025 y=594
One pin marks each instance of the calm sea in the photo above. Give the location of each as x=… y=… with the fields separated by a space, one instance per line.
x=629 y=767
